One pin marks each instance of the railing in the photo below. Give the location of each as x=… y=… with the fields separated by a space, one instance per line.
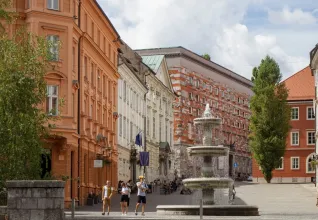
x=3 y=198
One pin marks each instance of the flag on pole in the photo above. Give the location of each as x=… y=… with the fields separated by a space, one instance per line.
x=144 y=158
x=138 y=139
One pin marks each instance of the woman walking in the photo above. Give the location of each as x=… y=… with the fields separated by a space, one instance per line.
x=124 y=198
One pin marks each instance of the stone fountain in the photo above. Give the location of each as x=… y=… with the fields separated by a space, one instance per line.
x=208 y=182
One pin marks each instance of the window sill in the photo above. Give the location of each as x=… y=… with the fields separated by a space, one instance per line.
x=53 y=9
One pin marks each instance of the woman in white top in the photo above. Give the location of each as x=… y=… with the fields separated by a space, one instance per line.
x=124 y=198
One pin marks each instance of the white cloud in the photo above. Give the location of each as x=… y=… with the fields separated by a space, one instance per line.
x=214 y=27
x=287 y=16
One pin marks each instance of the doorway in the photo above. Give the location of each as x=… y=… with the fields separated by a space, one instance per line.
x=46 y=163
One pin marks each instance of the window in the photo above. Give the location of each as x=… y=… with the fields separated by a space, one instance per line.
x=294 y=162
x=124 y=133
x=52 y=100
x=281 y=164
x=98 y=80
x=310 y=113
x=73 y=59
x=124 y=92
x=92 y=73
x=54 y=47
x=27 y=4
x=295 y=113
x=85 y=67
x=216 y=91
x=311 y=138
x=310 y=168
x=154 y=126
x=294 y=138
x=53 y=4
x=191 y=96
x=148 y=126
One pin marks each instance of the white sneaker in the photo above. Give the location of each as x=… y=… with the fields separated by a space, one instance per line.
x=143 y=214
x=136 y=212
x=122 y=214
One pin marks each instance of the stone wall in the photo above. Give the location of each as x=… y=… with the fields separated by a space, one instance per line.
x=35 y=200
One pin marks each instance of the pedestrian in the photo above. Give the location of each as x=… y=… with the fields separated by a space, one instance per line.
x=129 y=185
x=142 y=188
x=107 y=193
x=124 y=198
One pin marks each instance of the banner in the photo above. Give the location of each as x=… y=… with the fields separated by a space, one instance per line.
x=138 y=139
x=144 y=158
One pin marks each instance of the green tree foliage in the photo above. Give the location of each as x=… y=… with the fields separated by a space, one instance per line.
x=5 y=15
x=23 y=63
x=270 y=118
x=206 y=56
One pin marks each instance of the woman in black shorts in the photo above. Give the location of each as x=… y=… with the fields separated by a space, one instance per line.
x=124 y=198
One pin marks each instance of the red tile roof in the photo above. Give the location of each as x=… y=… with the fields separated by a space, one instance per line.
x=301 y=85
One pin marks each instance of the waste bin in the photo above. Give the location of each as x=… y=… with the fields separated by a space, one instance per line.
x=90 y=201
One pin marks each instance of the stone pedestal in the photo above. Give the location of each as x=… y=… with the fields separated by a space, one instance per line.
x=35 y=200
x=208 y=196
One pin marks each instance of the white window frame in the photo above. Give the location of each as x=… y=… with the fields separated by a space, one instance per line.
x=291 y=114
x=50 y=4
x=307 y=163
x=313 y=113
x=291 y=138
x=307 y=137
x=54 y=48
x=281 y=168
x=291 y=163
x=120 y=121
x=50 y=96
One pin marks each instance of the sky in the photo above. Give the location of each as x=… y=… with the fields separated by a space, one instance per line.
x=237 y=34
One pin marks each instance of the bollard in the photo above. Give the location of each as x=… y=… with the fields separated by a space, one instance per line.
x=73 y=208
x=201 y=208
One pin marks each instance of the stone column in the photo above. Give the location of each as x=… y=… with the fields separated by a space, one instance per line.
x=35 y=200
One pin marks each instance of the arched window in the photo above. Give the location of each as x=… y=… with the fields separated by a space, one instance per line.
x=309 y=167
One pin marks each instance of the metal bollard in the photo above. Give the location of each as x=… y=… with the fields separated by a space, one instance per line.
x=73 y=208
x=201 y=208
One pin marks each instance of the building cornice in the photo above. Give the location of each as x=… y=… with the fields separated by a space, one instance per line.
x=182 y=52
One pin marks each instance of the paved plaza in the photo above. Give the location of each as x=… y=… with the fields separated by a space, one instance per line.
x=275 y=202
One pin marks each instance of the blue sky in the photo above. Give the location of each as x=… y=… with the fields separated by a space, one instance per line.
x=236 y=33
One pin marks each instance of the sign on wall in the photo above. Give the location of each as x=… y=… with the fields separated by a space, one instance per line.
x=98 y=163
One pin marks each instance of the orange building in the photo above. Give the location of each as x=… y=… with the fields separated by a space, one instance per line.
x=84 y=73
x=295 y=165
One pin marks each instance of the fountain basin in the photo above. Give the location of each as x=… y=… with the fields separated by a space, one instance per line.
x=209 y=210
x=219 y=150
x=208 y=183
x=210 y=121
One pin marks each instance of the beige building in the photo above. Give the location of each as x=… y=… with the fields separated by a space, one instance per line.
x=131 y=110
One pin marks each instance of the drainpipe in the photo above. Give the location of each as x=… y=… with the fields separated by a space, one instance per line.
x=79 y=105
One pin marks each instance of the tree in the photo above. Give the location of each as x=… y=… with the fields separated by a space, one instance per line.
x=5 y=15
x=270 y=117
x=23 y=125
x=206 y=56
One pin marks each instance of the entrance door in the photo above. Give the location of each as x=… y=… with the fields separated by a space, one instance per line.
x=46 y=163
